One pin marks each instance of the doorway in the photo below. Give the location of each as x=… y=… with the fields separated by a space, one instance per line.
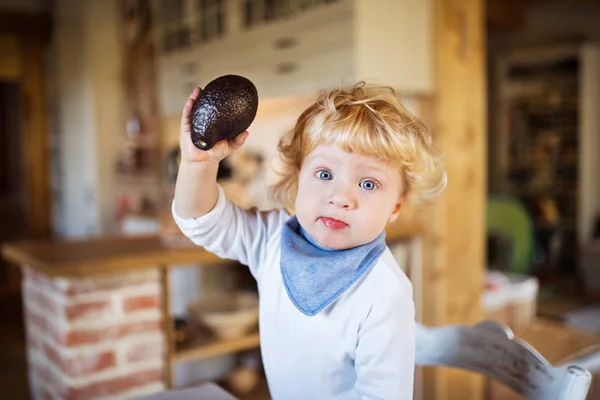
x=13 y=196
x=24 y=174
x=13 y=214
x=544 y=93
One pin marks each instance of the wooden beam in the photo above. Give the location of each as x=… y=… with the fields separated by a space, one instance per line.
x=36 y=136
x=27 y=24
x=510 y=14
x=32 y=31
x=455 y=245
x=506 y=14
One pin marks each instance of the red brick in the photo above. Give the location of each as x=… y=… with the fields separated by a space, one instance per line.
x=34 y=342
x=145 y=351
x=43 y=302
x=80 y=336
x=108 y=283
x=138 y=303
x=140 y=327
x=114 y=386
x=81 y=364
x=34 y=276
x=71 y=311
x=42 y=373
x=88 y=285
x=41 y=324
x=41 y=280
x=47 y=395
x=74 y=312
x=35 y=320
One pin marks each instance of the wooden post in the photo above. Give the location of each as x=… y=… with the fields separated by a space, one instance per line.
x=35 y=145
x=454 y=246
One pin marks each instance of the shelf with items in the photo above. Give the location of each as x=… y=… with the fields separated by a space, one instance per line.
x=259 y=392
x=203 y=347
x=137 y=171
x=543 y=143
x=217 y=322
x=184 y=24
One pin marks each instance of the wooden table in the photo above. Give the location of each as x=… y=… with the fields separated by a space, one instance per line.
x=559 y=344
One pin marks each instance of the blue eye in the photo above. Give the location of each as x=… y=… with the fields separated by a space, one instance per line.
x=368 y=185
x=324 y=175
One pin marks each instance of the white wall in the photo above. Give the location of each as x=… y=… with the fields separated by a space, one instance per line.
x=275 y=117
x=73 y=125
x=106 y=65
x=87 y=106
x=385 y=53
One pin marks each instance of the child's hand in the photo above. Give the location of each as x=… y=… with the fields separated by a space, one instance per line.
x=192 y=154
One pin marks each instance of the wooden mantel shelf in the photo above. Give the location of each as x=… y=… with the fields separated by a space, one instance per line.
x=102 y=255
x=118 y=254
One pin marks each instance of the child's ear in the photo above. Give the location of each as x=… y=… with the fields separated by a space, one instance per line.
x=397 y=207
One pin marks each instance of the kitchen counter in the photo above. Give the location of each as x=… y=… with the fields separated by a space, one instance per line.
x=102 y=255
x=119 y=254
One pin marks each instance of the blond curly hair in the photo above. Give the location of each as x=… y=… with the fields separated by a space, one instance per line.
x=369 y=120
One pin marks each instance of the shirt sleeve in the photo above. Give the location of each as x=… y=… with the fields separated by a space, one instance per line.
x=385 y=354
x=231 y=232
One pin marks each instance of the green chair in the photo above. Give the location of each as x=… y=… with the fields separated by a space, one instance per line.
x=507 y=216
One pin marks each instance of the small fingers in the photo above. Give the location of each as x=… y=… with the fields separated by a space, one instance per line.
x=240 y=139
x=189 y=104
x=195 y=93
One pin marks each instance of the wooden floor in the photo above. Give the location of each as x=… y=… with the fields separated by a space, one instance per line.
x=13 y=365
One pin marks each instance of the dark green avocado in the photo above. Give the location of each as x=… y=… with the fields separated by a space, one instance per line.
x=225 y=108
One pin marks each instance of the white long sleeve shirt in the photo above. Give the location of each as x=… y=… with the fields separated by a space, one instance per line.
x=362 y=346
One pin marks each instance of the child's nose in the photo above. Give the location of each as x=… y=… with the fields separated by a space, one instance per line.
x=343 y=198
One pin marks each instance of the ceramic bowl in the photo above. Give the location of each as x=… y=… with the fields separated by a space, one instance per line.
x=243 y=379
x=230 y=316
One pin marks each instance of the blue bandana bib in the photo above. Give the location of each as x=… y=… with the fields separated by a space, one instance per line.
x=314 y=276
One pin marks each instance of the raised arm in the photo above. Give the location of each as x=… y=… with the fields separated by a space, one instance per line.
x=196 y=186
x=202 y=211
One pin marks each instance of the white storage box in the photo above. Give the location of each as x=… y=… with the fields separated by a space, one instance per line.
x=510 y=299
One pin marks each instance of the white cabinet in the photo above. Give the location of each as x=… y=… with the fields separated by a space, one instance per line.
x=328 y=44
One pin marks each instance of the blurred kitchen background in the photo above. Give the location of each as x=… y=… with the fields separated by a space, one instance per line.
x=91 y=94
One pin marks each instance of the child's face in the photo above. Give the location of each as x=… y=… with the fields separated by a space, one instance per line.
x=345 y=199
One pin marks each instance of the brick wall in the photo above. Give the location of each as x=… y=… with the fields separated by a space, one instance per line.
x=94 y=338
